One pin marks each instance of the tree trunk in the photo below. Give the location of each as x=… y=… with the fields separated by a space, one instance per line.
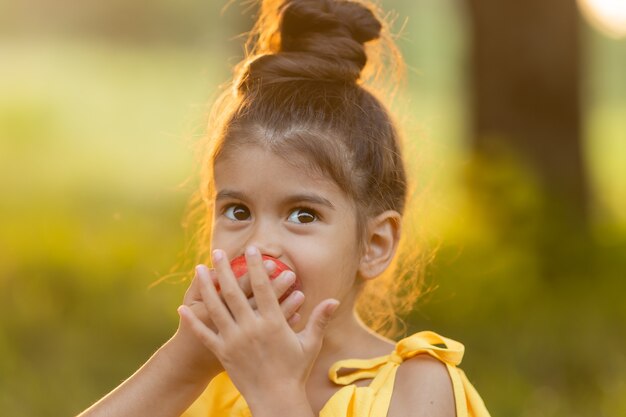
x=525 y=90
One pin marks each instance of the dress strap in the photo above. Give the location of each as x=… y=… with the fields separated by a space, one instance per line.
x=423 y=342
x=383 y=370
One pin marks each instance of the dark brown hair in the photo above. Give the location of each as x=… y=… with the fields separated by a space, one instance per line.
x=300 y=92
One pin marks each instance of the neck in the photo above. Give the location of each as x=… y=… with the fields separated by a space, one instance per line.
x=348 y=337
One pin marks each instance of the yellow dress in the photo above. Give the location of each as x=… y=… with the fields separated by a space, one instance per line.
x=221 y=398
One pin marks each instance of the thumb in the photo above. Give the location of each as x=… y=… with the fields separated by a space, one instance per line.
x=320 y=317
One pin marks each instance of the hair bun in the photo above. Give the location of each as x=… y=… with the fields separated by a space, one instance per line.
x=303 y=19
x=320 y=40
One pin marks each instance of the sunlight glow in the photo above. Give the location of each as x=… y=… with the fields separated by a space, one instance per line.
x=608 y=16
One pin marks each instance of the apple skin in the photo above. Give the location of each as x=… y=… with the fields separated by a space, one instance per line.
x=239 y=267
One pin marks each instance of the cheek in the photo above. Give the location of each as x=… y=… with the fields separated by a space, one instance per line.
x=227 y=241
x=325 y=269
x=341 y=253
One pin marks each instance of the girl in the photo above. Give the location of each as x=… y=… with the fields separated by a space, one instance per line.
x=304 y=175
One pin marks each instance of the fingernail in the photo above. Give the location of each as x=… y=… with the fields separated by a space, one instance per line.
x=218 y=255
x=331 y=308
x=270 y=266
x=202 y=273
x=251 y=251
x=290 y=276
x=298 y=296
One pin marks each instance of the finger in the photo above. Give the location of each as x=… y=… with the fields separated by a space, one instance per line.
x=283 y=283
x=244 y=284
x=270 y=266
x=218 y=311
x=244 y=280
x=292 y=303
x=193 y=299
x=213 y=276
x=318 y=322
x=294 y=319
x=280 y=285
x=215 y=281
x=203 y=333
x=193 y=292
x=233 y=297
x=267 y=304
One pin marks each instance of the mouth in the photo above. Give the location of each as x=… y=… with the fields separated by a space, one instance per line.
x=240 y=267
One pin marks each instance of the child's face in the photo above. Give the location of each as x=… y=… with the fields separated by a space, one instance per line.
x=306 y=221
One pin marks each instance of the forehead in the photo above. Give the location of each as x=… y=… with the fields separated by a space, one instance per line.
x=255 y=169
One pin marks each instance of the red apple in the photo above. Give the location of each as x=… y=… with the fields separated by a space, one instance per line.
x=240 y=267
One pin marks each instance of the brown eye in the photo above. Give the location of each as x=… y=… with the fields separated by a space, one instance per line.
x=237 y=212
x=302 y=215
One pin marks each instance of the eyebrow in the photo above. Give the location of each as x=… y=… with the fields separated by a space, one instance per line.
x=292 y=199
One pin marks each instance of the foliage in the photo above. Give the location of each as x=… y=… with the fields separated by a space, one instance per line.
x=94 y=139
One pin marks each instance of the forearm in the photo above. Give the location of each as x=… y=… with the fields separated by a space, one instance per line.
x=157 y=389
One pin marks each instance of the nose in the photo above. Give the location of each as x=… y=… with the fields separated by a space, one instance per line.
x=265 y=236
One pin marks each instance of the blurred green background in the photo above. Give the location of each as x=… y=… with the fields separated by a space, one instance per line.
x=100 y=104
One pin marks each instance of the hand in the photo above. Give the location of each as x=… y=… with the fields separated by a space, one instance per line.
x=196 y=357
x=257 y=348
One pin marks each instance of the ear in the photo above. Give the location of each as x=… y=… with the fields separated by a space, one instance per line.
x=381 y=242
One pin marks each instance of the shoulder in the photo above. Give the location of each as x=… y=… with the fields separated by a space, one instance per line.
x=422 y=388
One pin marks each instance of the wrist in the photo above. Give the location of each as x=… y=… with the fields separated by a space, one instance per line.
x=190 y=362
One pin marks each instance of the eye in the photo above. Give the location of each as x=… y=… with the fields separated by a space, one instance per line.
x=237 y=212
x=303 y=215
